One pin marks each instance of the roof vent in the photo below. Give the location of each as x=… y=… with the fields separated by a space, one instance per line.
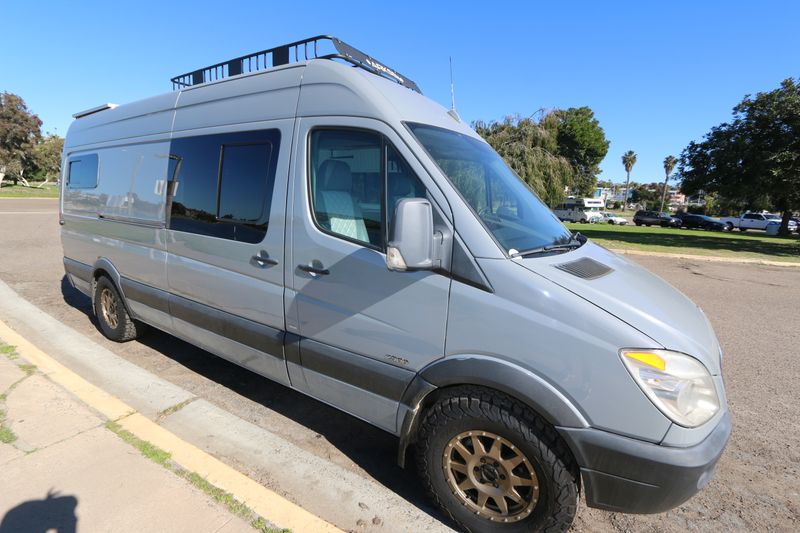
x=586 y=268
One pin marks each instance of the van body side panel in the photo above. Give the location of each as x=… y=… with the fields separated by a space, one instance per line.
x=241 y=101
x=144 y=118
x=120 y=220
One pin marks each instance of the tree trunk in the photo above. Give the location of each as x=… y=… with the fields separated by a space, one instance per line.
x=784 y=230
x=625 y=193
x=664 y=192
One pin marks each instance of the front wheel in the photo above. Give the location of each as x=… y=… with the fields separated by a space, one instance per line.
x=493 y=465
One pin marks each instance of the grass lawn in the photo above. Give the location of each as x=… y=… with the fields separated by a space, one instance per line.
x=750 y=245
x=18 y=191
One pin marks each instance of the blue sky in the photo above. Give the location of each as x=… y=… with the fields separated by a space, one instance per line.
x=657 y=75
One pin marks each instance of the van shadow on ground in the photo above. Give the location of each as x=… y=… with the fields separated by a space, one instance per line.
x=370 y=448
x=53 y=513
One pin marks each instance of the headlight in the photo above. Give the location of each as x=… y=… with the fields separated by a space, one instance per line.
x=679 y=385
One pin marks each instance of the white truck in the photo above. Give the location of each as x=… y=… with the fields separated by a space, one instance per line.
x=755 y=221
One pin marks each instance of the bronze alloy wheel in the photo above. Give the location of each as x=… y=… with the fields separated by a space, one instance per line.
x=490 y=476
x=108 y=305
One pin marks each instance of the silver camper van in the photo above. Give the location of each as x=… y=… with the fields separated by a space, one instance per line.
x=306 y=213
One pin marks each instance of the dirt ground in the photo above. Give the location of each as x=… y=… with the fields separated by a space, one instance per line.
x=754 y=310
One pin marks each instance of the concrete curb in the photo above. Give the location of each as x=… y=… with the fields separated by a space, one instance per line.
x=261 y=500
x=709 y=258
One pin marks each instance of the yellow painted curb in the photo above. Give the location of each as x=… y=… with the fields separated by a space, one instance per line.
x=709 y=258
x=108 y=405
x=261 y=500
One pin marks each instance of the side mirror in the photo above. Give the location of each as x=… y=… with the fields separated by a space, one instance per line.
x=411 y=242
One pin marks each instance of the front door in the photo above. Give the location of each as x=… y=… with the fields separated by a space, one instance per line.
x=364 y=331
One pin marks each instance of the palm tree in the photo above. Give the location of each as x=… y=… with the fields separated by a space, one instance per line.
x=669 y=166
x=628 y=160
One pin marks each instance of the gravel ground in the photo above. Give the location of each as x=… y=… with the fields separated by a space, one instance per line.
x=753 y=309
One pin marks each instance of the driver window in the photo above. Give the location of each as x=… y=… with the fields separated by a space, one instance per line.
x=357 y=178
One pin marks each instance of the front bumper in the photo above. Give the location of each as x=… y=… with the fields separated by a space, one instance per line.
x=631 y=476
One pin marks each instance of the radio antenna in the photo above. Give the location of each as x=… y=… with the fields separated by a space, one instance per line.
x=453 y=113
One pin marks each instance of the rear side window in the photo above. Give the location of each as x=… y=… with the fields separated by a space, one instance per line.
x=221 y=185
x=82 y=172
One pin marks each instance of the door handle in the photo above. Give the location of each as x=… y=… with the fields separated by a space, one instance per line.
x=262 y=259
x=315 y=269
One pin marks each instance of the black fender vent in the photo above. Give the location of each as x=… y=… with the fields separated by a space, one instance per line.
x=586 y=268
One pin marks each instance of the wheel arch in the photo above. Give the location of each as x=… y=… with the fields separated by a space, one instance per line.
x=487 y=372
x=104 y=267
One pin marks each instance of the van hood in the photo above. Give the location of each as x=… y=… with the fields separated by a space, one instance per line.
x=637 y=297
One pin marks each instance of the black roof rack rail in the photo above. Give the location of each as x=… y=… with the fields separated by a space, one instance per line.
x=282 y=55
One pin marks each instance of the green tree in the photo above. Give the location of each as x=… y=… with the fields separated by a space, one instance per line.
x=583 y=142
x=628 y=161
x=19 y=132
x=646 y=194
x=47 y=157
x=530 y=148
x=669 y=165
x=755 y=155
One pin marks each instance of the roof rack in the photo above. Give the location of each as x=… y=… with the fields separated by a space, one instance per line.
x=282 y=55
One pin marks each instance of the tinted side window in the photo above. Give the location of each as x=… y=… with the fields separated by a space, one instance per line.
x=223 y=184
x=82 y=172
x=357 y=178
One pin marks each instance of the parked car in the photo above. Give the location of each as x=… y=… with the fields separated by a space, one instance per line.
x=330 y=228
x=693 y=221
x=655 y=218
x=611 y=218
x=755 y=221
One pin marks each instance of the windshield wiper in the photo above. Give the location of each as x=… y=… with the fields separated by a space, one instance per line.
x=576 y=241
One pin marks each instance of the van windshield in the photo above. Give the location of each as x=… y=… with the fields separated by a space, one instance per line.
x=512 y=212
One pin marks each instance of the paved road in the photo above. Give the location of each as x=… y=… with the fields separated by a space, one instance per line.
x=753 y=308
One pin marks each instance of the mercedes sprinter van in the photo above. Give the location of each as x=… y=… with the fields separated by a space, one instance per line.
x=306 y=213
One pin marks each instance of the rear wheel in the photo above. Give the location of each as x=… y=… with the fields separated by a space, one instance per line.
x=112 y=316
x=493 y=465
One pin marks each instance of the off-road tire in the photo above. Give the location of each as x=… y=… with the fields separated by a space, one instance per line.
x=126 y=328
x=471 y=408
